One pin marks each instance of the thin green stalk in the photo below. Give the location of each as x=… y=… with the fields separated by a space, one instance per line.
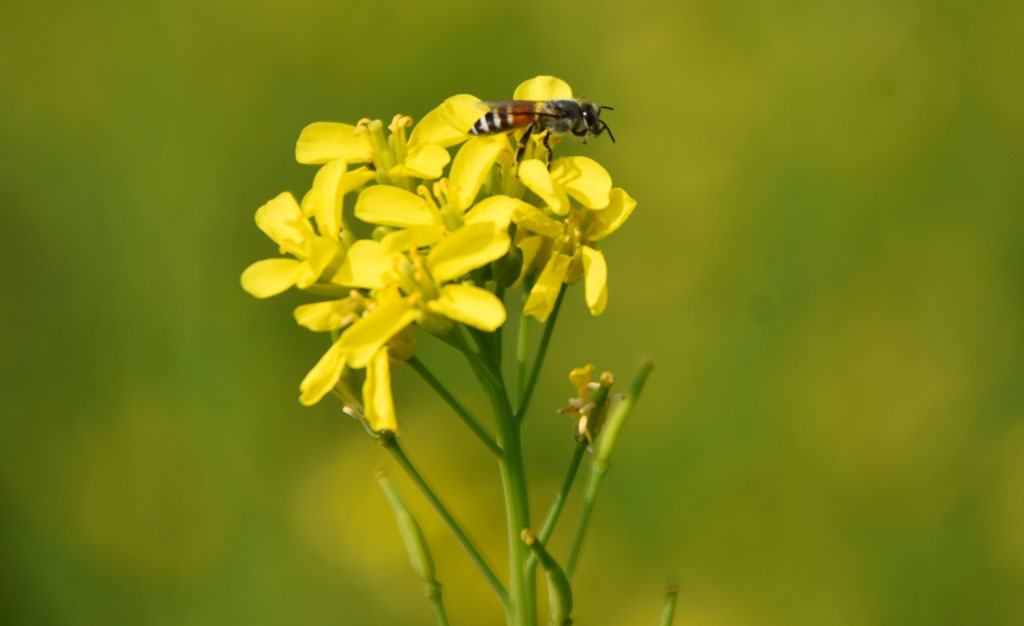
x=488 y=377
x=387 y=439
x=433 y=593
x=499 y=333
x=556 y=507
x=597 y=473
x=670 y=605
x=538 y=361
x=522 y=348
x=521 y=608
x=599 y=466
x=456 y=406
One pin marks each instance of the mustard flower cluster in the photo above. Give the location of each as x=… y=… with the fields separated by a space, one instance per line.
x=448 y=234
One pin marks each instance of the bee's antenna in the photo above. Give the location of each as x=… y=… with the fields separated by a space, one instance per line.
x=604 y=108
x=604 y=125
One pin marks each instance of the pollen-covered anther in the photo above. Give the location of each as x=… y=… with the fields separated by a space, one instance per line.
x=348 y=319
x=399 y=121
x=423 y=191
x=415 y=298
x=362 y=126
x=352 y=412
x=441 y=189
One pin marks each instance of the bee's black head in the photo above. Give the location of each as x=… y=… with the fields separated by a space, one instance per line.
x=592 y=118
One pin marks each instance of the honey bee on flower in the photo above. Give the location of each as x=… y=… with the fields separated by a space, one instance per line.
x=579 y=116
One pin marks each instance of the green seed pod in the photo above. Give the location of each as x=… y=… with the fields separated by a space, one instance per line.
x=415 y=544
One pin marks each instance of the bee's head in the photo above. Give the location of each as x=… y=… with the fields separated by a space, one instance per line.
x=592 y=118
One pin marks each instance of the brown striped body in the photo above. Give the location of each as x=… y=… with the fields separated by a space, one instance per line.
x=506 y=116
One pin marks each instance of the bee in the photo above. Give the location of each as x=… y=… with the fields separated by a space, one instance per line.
x=581 y=117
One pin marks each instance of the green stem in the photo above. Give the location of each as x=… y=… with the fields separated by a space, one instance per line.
x=433 y=593
x=522 y=348
x=670 y=605
x=387 y=439
x=597 y=473
x=549 y=327
x=513 y=477
x=521 y=608
x=599 y=466
x=456 y=406
x=499 y=333
x=556 y=507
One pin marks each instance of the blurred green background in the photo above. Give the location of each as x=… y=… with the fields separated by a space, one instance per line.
x=826 y=265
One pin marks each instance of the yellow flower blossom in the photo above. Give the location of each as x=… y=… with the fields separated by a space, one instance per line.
x=566 y=252
x=374 y=403
x=420 y=289
x=283 y=221
x=423 y=217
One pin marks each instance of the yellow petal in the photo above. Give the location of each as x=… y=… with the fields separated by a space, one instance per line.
x=448 y=124
x=321 y=142
x=580 y=378
x=545 y=291
x=531 y=248
x=497 y=209
x=324 y=201
x=364 y=338
x=393 y=206
x=270 y=277
x=409 y=238
x=322 y=250
x=584 y=179
x=468 y=248
x=543 y=88
x=380 y=407
x=365 y=265
x=611 y=217
x=470 y=305
x=324 y=375
x=426 y=161
x=533 y=219
x=471 y=165
x=595 y=271
x=282 y=219
x=535 y=175
x=324 y=316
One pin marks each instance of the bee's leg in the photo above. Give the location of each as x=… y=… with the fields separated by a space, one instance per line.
x=523 y=142
x=547 y=146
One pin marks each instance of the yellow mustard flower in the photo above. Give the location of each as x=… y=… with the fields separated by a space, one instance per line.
x=423 y=217
x=373 y=403
x=395 y=158
x=565 y=252
x=428 y=294
x=283 y=221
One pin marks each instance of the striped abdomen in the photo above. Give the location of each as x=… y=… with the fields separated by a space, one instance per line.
x=501 y=121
